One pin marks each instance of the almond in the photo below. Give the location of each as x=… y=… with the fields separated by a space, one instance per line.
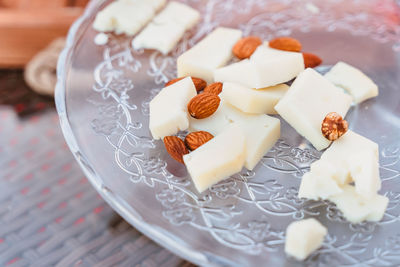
x=203 y=105
x=196 y=139
x=200 y=84
x=175 y=147
x=214 y=88
x=311 y=60
x=286 y=43
x=246 y=46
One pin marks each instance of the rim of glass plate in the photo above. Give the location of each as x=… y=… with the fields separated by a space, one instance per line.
x=158 y=235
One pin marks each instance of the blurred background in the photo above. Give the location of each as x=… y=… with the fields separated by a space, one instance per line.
x=49 y=213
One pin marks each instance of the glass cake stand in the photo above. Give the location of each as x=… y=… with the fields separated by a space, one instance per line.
x=103 y=96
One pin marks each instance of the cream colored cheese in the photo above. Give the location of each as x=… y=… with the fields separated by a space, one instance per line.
x=168 y=109
x=219 y=158
x=304 y=237
x=167 y=28
x=309 y=99
x=213 y=52
x=359 y=85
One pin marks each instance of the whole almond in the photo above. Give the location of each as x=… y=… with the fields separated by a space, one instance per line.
x=200 y=84
x=311 y=60
x=196 y=139
x=175 y=147
x=285 y=43
x=203 y=105
x=246 y=46
x=214 y=88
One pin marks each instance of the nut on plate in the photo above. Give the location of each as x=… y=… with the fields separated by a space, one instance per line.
x=286 y=44
x=197 y=139
x=246 y=46
x=311 y=60
x=214 y=88
x=203 y=105
x=334 y=126
x=175 y=147
x=199 y=84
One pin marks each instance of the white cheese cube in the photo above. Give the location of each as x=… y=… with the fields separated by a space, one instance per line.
x=261 y=101
x=277 y=66
x=315 y=186
x=364 y=170
x=126 y=16
x=359 y=85
x=168 y=109
x=217 y=159
x=167 y=28
x=341 y=150
x=261 y=131
x=310 y=98
x=266 y=67
x=213 y=52
x=338 y=173
x=356 y=208
x=304 y=237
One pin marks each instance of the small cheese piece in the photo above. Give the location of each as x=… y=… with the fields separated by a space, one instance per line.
x=167 y=28
x=364 y=171
x=126 y=16
x=261 y=131
x=266 y=67
x=261 y=101
x=356 y=208
x=217 y=159
x=314 y=186
x=310 y=98
x=213 y=52
x=359 y=85
x=304 y=237
x=168 y=109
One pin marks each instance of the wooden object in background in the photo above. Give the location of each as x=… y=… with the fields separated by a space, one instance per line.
x=28 y=26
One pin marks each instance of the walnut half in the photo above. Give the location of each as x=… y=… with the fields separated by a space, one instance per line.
x=334 y=126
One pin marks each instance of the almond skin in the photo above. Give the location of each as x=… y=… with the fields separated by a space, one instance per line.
x=285 y=43
x=197 y=139
x=203 y=105
x=214 y=88
x=200 y=84
x=311 y=60
x=246 y=46
x=175 y=147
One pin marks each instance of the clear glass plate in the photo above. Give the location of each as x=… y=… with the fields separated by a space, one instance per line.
x=102 y=99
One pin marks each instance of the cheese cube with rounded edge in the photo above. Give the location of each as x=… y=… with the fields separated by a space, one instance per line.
x=266 y=67
x=359 y=85
x=167 y=28
x=304 y=237
x=356 y=208
x=217 y=159
x=309 y=99
x=261 y=101
x=168 y=109
x=261 y=131
x=126 y=16
x=364 y=171
x=213 y=52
